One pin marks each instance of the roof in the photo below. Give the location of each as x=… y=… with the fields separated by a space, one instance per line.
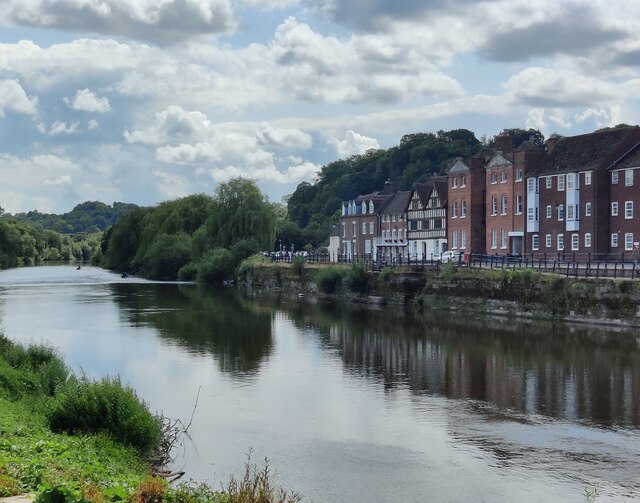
x=587 y=152
x=398 y=203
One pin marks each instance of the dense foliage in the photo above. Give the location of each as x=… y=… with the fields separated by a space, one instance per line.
x=22 y=243
x=90 y=216
x=196 y=236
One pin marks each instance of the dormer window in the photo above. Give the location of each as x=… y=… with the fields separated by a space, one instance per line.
x=370 y=206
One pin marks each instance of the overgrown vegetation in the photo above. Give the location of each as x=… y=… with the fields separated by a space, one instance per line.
x=108 y=433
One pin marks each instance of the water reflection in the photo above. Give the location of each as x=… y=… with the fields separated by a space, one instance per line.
x=201 y=320
x=572 y=373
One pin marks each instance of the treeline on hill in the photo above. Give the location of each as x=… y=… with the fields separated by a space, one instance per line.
x=314 y=208
x=90 y=216
x=22 y=243
x=195 y=237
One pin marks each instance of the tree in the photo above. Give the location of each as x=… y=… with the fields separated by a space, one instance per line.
x=241 y=211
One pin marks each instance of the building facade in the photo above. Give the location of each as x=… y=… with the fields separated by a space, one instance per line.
x=427 y=219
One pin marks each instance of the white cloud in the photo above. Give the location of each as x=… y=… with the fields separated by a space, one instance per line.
x=93 y=125
x=284 y=137
x=162 y=21
x=354 y=143
x=172 y=125
x=59 y=180
x=87 y=101
x=57 y=128
x=13 y=97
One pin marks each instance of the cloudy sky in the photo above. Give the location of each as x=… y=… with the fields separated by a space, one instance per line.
x=147 y=100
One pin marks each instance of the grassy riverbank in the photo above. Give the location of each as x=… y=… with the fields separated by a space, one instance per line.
x=69 y=439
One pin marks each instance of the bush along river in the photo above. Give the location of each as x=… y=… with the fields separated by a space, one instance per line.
x=354 y=405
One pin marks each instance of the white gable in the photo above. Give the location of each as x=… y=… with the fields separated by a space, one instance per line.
x=498 y=160
x=459 y=166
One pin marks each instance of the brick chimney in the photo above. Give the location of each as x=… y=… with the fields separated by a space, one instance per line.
x=389 y=187
x=551 y=142
x=503 y=142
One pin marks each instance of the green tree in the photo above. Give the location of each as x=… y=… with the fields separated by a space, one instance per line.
x=241 y=211
x=166 y=255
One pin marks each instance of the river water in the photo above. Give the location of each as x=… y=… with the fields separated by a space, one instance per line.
x=352 y=405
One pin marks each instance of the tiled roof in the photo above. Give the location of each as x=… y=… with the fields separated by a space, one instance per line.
x=588 y=151
x=398 y=203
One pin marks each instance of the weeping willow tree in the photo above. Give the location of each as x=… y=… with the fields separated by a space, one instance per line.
x=240 y=211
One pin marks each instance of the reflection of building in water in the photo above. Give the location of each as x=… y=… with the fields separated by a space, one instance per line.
x=570 y=378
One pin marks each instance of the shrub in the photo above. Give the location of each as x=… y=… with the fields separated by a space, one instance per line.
x=297 y=265
x=242 y=249
x=357 y=279
x=188 y=272
x=215 y=266
x=166 y=255
x=329 y=279
x=88 y=406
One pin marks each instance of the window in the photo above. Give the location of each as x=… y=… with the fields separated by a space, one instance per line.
x=463 y=182
x=504 y=206
x=519 y=175
x=494 y=177
x=494 y=205
x=547 y=240
x=367 y=246
x=614 y=178
x=370 y=227
x=560 y=242
x=364 y=207
x=548 y=182
x=628 y=241
x=455 y=240
x=494 y=239
x=455 y=210
x=614 y=209
x=560 y=183
x=463 y=208
x=519 y=204
x=575 y=242
x=587 y=240
x=535 y=242
x=395 y=217
x=353 y=225
x=371 y=207
x=570 y=212
x=344 y=230
x=463 y=239
x=394 y=234
x=628 y=209
x=531 y=184
x=364 y=227
x=587 y=178
x=454 y=183
x=548 y=211
x=628 y=177
x=531 y=214
x=561 y=212
x=503 y=241
x=503 y=177
x=587 y=209
x=614 y=240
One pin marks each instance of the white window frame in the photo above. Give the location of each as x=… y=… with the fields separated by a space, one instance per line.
x=560 y=242
x=371 y=227
x=615 y=177
x=364 y=228
x=463 y=239
x=570 y=181
x=494 y=239
x=628 y=241
x=535 y=242
x=614 y=208
x=587 y=178
x=549 y=211
x=503 y=177
x=587 y=240
x=575 y=242
x=454 y=245
x=463 y=208
x=503 y=205
x=614 y=240
x=519 y=175
x=494 y=206
x=494 y=178
x=503 y=239
x=571 y=212
x=519 y=204
x=548 y=182
x=560 y=212
x=547 y=241
x=454 y=210
x=454 y=182
x=587 y=209
x=628 y=210
x=463 y=182
x=628 y=178
x=560 y=183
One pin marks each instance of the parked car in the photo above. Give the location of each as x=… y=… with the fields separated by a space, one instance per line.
x=452 y=256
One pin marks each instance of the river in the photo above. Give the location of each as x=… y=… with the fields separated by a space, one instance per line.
x=352 y=405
